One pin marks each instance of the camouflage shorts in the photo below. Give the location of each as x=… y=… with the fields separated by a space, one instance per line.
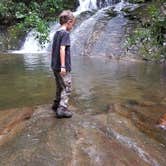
x=63 y=88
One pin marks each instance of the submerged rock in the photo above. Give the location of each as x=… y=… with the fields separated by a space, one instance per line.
x=144 y=103
x=163 y=101
x=162 y=122
x=12 y=122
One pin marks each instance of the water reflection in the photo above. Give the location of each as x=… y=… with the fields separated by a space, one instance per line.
x=33 y=61
x=27 y=79
x=101 y=82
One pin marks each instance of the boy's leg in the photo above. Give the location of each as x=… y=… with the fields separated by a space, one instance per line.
x=66 y=85
x=66 y=91
x=58 y=91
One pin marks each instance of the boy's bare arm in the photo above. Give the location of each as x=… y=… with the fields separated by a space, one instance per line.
x=62 y=58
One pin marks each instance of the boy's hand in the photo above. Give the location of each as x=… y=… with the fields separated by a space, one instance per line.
x=63 y=71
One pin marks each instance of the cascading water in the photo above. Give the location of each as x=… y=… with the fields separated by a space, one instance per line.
x=104 y=3
x=31 y=44
x=86 y=5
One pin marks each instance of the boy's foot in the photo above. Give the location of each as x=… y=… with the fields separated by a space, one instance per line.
x=63 y=112
x=55 y=106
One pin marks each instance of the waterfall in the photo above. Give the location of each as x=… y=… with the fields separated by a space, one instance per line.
x=120 y=5
x=104 y=3
x=87 y=5
x=31 y=44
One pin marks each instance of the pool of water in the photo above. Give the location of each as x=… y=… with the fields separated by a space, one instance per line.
x=97 y=81
x=136 y=90
x=24 y=80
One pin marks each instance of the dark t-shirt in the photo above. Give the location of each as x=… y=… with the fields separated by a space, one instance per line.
x=61 y=38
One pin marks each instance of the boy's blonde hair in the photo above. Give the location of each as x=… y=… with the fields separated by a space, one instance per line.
x=65 y=16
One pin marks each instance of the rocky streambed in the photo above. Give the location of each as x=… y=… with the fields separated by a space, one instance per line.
x=33 y=136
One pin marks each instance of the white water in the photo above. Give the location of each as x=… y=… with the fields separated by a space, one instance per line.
x=120 y=5
x=31 y=44
x=86 y=5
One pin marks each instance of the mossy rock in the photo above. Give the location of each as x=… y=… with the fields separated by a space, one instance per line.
x=11 y=38
x=110 y=12
x=137 y=1
x=134 y=13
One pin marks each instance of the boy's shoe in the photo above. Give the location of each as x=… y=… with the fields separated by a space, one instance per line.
x=63 y=112
x=55 y=106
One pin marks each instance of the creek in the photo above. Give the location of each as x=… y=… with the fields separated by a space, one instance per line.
x=118 y=102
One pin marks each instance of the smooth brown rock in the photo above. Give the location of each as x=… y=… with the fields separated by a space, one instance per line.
x=126 y=132
x=147 y=103
x=83 y=140
x=163 y=101
x=12 y=122
x=140 y=103
x=162 y=122
x=143 y=117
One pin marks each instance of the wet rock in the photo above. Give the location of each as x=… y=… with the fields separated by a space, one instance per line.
x=104 y=3
x=162 y=122
x=129 y=135
x=140 y=103
x=133 y=11
x=94 y=30
x=147 y=103
x=83 y=16
x=111 y=12
x=12 y=122
x=143 y=117
x=163 y=101
x=99 y=150
x=132 y=102
x=81 y=140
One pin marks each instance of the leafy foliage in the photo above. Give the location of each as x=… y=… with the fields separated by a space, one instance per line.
x=149 y=36
x=28 y=14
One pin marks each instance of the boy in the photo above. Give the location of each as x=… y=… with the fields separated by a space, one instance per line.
x=61 y=64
